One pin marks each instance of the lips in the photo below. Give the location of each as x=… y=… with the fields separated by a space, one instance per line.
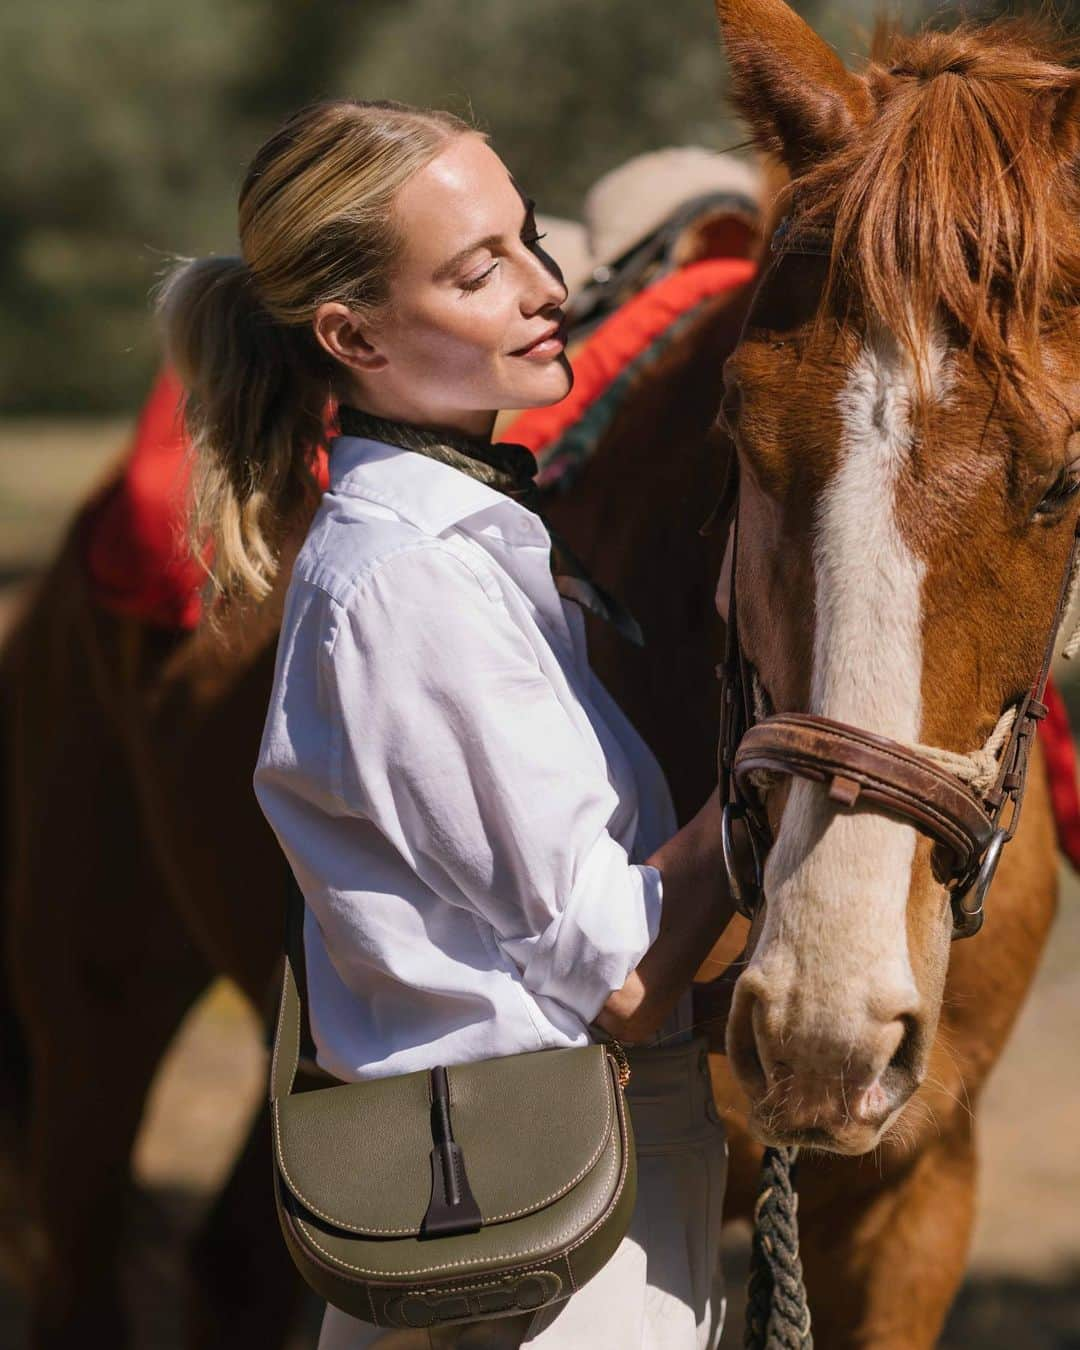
x=555 y=331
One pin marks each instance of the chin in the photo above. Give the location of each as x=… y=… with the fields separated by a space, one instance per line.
x=549 y=384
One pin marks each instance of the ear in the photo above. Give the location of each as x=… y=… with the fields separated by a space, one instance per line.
x=799 y=99
x=338 y=331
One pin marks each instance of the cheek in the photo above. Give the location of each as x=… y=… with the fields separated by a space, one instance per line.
x=456 y=348
x=453 y=337
x=929 y=928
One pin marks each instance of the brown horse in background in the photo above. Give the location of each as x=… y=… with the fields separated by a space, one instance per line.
x=131 y=749
x=139 y=863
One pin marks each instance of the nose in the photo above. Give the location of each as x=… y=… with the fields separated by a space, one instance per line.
x=546 y=288
x=832 y=1072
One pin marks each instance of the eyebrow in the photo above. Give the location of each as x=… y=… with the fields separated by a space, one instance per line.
x=448 y=268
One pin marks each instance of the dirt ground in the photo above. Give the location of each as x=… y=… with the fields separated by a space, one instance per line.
x=1023 y=1287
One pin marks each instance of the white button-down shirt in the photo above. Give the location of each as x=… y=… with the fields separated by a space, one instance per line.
x=464 y=805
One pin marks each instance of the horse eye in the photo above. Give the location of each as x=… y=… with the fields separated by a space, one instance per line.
x=1064 y=487
x=728 y=413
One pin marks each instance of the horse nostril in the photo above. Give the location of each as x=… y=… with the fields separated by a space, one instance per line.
x=897 y=1079
x=905 y=1056
x=742 y=1041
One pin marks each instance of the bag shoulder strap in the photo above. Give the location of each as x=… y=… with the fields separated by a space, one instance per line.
x=292 y=1034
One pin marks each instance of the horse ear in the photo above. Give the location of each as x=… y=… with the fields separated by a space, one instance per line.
x=799 y=99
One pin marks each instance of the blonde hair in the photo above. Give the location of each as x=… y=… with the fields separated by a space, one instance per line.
x=315 y=224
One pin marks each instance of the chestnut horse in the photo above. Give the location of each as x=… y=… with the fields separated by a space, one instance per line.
x=901 y=402
x=902 y=534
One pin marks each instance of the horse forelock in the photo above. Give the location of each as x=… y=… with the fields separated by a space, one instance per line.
x=958 y=201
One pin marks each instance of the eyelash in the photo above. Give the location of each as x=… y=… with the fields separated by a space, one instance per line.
x=479 y=281
x=1062 y=490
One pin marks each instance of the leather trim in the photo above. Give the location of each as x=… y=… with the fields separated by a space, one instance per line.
x=864 y=769
x=550 y=1248
x=298 y=1121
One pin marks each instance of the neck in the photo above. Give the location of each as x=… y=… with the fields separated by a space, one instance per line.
x=508 y=467
x=477 y=425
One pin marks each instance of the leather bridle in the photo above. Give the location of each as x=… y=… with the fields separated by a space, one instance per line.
x=862 y=771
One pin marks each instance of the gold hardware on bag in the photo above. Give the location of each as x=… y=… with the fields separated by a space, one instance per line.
x=618 y=1054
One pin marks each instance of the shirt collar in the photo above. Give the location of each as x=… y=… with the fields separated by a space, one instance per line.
x=423 y=491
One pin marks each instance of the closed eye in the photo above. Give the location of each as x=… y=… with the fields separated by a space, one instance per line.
x=529 y=237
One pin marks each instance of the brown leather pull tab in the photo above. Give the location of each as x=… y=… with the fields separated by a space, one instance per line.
x=844 y=791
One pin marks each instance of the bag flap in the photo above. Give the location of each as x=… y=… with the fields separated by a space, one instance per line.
x=530 y=1126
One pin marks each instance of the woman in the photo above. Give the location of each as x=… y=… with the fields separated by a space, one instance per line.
x=487 y=848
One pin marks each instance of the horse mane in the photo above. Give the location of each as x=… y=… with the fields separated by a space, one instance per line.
x=959 y=199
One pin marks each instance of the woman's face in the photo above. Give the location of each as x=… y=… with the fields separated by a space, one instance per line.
x=474 y=322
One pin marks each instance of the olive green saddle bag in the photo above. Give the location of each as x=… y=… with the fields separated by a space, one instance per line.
x=465 y=1192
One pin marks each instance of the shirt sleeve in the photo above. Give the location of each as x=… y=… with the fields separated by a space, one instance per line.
x=454 y=743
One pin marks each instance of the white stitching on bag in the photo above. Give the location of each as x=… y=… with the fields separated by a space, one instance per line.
x=427 y=1270
x=509 y=1256
x=497 y=1218
x=421 y=1292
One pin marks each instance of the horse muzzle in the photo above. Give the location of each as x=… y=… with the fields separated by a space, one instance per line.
x=817 y=1078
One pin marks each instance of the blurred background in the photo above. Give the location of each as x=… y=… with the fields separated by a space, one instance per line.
x=126 y=127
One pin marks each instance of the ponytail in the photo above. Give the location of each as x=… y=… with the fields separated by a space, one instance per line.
x=254 y=415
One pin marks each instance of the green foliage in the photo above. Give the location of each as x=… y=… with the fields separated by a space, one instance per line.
x=127 y=125
x=567 y=88
x=106 y=113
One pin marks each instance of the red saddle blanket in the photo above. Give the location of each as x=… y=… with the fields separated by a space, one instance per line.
x=140 y=565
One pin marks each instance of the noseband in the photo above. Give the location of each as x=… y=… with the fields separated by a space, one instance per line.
x=860 y=770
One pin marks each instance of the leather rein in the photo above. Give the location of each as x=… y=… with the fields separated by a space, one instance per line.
x=861 y=770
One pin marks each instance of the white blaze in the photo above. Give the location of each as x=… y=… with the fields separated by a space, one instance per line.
x=836 y=883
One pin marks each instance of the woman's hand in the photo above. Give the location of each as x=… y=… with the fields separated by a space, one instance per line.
x=697 y=907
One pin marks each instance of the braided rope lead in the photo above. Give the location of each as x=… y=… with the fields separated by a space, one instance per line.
x=777 y=1313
